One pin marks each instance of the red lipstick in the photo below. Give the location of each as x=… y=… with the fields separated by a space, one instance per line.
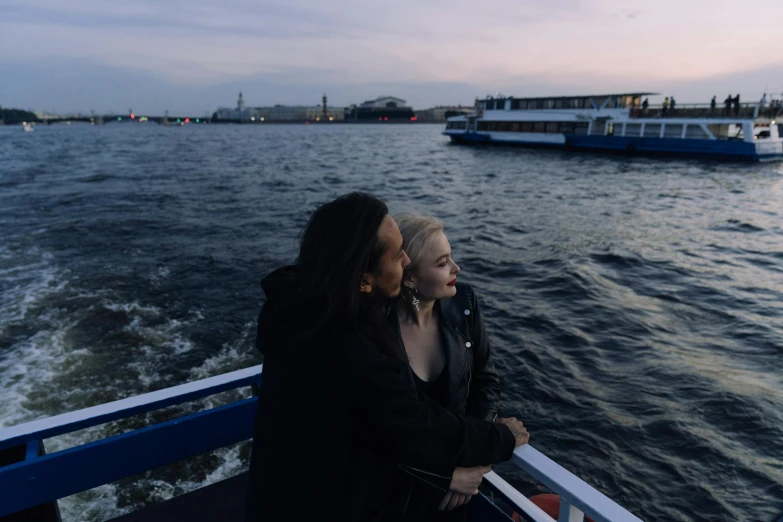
x=453 y=282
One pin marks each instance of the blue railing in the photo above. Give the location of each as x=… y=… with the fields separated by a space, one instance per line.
x=38 y=479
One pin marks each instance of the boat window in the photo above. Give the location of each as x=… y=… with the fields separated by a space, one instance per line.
x=567 y=128
x=695 y=132
x=599 y=128
x=514 y=105
x=763 y=134
x=552 y=127
x=525 y=126
x=633 y=130
x=719 y=130
x=456 y=125
x=618 y=129
x=672 y=131
x=539 y=126
x=581 y=128
x=780 y=130
x=515 y=127
x=652 y=130
x=500 y=105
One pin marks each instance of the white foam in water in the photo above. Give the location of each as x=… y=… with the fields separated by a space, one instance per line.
x=232 y=356
x=31 y=361
x=36 y=360
x=134 y=307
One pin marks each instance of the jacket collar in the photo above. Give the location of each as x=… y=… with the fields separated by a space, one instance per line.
x=452 y=312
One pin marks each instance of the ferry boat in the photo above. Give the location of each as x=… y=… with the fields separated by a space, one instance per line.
x=625 y=123
x=31 y=481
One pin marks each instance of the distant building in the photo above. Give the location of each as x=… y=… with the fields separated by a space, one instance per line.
x=383 y=102
x=282 y=113
x=238 y=114
x=383 y=108
x=442 y=113
x=279 y=113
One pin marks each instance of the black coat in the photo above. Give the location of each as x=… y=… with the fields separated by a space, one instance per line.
x=336 y=416
x=473 y=384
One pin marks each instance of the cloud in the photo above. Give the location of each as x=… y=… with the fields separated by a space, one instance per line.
x=71 y=85
x=303 y=46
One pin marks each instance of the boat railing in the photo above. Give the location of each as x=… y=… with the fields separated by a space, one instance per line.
x=704 y=110
x=35 y=479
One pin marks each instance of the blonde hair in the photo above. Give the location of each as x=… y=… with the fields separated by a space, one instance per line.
x=418 y=234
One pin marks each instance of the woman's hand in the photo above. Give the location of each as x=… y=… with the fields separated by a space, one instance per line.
x=452 y=500
x=465 y=481
x=521 y=436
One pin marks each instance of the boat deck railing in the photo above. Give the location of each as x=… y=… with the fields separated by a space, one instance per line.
x=35 y=479
x=704 y=110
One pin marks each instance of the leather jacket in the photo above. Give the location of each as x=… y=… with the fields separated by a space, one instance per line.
x=473 y=383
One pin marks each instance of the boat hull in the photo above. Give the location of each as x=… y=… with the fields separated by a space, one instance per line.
x=731 y=150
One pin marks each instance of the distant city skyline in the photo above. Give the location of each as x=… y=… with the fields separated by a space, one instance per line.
x=195 y=56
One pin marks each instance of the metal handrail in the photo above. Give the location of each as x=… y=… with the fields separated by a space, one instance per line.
x=577 y=497
x=103 y=413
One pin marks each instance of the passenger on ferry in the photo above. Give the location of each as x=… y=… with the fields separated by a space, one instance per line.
x=672 y=104
x=337 y=410
x=737 y=104
x=441 y=330
x=645 y=105
x=727 y=105
x=665 y=106
x=713 y=103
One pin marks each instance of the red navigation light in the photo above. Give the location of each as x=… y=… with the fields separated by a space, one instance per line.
x=307 y=123
x=385 y=118
x=133 y=116
x=380 y=118
x=413 y=118
x=187 y=120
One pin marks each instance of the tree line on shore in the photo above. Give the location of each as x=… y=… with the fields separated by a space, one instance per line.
x=11 y=116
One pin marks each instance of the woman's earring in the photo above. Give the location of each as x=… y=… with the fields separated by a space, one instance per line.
x=415 y=299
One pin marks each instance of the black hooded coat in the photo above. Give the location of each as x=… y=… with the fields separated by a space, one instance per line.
x=336 y=417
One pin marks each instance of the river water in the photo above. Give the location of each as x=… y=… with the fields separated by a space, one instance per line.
x=635 y=306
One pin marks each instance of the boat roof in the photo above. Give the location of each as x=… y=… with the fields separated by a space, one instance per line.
x=632 y=94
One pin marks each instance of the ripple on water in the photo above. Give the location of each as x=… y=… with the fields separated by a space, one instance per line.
x=632 y=303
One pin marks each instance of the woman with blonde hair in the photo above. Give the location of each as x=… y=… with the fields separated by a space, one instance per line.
x=442 y=331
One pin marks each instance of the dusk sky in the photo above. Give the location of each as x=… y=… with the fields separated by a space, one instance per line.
x=193 y=55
